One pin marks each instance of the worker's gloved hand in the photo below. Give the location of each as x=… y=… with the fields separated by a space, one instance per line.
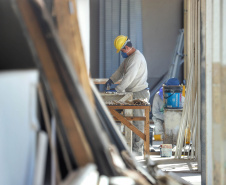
x=108 y=84
x=111 y=90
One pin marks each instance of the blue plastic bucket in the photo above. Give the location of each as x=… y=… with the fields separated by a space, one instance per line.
x=173 y=97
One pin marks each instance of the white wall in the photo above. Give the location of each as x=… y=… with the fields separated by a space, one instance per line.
x=84 y=26
x=18 y=126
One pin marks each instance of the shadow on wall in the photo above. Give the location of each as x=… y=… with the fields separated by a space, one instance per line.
x=14 y=50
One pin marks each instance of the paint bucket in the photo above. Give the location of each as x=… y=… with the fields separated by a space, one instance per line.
x=158 y=137
x=173 y=96
x=166 y=150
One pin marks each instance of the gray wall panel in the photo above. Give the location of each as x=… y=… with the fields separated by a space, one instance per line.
x=94 y=38
x=117 y=17
x=162 y=20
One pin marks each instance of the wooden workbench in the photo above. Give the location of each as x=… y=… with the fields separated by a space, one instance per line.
x=127 y=112
x=126 y=121
x=102 y=81
x=127 y=116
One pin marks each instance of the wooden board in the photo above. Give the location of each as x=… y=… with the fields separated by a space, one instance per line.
x=128 y=113
x=81 y=149
x=127 y=123
x=145 y=136
x=102 y=81
x=131 y=118
x=68 y=28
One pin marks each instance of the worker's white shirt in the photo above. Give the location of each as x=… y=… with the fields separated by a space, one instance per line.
x=133 y=72
x=157 y=108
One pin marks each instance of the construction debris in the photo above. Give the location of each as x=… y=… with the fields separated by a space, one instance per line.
x=80 y=135
x=135 y=102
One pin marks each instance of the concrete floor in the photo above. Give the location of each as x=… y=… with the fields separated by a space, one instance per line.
x=184 y=168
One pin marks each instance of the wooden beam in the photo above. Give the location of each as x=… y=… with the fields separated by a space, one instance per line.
x=77 y=140
x=128 y=133
x=68 y=29
x=131 y=118
x=128 y=124
x=103 y=81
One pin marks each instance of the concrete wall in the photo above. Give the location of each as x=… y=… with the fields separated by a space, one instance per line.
x=162 y=20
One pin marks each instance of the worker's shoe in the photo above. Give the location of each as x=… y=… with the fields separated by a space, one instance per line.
x=151 y=149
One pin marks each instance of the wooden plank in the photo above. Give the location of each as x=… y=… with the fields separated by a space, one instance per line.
x=103 y=81
x=68 y=29
x=131 y=118
x=80 y=148
x=128 y=124
x=128 y=113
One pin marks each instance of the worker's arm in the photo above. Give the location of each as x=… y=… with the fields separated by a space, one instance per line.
x=157 y=107
x=131 y=69
x=118 y=73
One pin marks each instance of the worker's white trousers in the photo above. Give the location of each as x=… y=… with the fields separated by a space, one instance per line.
x=137 y=141
x=159 y=127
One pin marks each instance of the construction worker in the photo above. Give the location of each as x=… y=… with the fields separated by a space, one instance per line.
x=133 y=72
x=158 y=115
x=158 y=110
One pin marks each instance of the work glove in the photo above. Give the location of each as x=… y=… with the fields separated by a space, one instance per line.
x=108 y=84
x=111 y=90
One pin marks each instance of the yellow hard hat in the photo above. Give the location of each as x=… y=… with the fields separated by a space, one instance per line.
x=120 y=42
